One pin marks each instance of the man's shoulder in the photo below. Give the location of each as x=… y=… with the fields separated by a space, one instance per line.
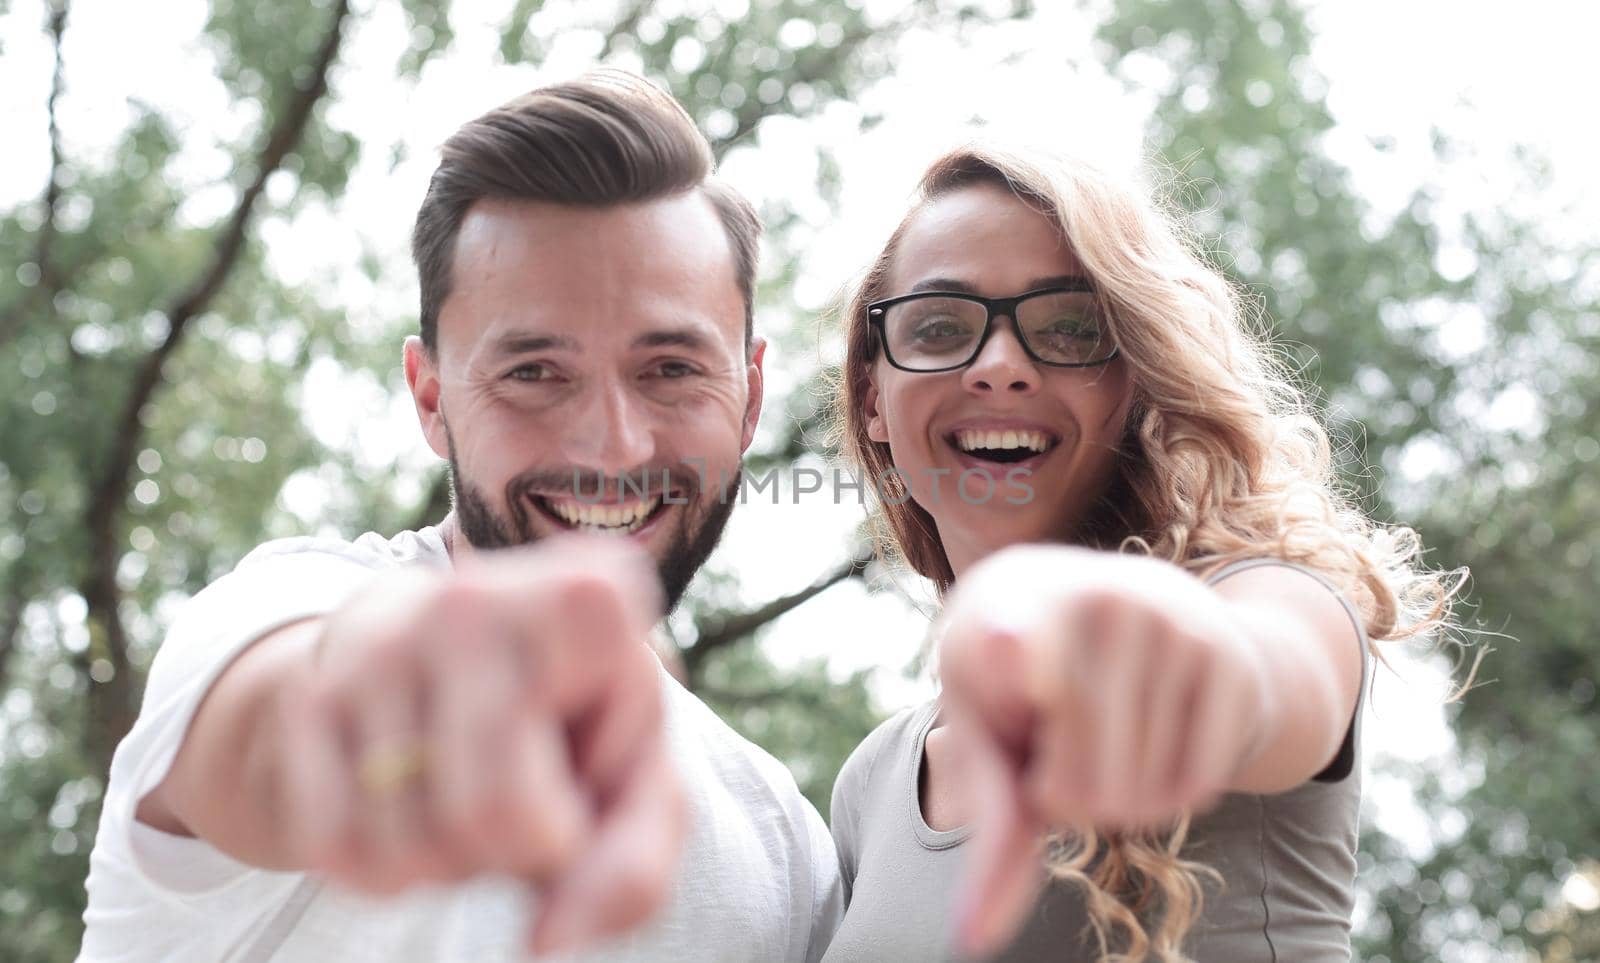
x=739 y=765
x=276 y=583
x=370 y=550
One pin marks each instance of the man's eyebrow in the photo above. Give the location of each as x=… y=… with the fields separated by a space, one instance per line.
x=525 y=342
x=685 y=337
x=962 y=287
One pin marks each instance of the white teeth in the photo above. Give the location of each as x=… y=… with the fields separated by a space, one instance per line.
x=604 y=518
x=970 y=439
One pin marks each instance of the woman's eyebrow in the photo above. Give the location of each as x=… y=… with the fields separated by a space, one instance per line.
x=1058 y=281
x=943 y=284
x=962 y=287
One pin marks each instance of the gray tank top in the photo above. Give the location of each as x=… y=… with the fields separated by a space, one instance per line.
x=1288 y=861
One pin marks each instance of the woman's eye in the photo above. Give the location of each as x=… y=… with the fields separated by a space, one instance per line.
x=1081 y=330
x=942 y=328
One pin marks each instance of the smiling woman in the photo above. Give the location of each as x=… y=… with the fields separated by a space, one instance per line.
x=1156 y=663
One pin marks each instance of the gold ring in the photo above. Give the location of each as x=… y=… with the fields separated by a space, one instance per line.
x=386 y=768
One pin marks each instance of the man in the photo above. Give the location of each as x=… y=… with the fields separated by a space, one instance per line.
x=431 y=746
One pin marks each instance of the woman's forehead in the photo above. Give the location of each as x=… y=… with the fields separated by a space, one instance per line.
x=984 y=236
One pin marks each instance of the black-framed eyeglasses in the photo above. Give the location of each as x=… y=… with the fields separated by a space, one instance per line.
x=1063 y=327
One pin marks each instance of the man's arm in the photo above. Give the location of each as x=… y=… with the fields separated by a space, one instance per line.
x=501 y=718
x=221 y=786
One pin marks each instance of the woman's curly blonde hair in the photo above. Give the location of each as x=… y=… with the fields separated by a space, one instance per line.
x=1222 y=459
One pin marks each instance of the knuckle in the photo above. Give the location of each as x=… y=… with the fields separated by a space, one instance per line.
x=490 y=819
x=638 y=889
x=456 y=601
x=552 y=835
x=591 y=589
x=472 y=829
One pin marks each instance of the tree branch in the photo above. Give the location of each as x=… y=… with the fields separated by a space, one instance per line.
x=624 y=27
x=720 y=632
x=16 y=313
x=739 y=698
x=108 y=494
x=10 y=624
x=752 y=112
x=291 y=126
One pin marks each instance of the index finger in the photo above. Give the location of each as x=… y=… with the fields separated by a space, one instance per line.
x=1004 y=869
x=627 y=871
x=578 y=614
x=984 y=673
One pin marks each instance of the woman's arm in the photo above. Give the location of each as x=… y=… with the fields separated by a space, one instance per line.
x=1312 y=657
x=1111 y=691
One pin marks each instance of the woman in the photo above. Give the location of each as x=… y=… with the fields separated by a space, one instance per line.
x=1158 y=608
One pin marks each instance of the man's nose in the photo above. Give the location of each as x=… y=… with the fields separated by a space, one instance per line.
x=1003 y=365
x=611 y=431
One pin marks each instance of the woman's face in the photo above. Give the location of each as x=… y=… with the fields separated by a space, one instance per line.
x=1005 y=450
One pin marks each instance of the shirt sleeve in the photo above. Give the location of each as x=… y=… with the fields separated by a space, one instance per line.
x=844 y=816
x=850 y=789
x=1344 y=761
x=212 y=629
x=827 y=892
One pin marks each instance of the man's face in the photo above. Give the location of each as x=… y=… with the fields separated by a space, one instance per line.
x=591 y=374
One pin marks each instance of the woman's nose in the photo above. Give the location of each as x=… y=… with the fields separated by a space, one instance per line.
x=1003 y=364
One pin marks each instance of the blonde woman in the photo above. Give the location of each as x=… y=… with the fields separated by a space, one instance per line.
x=1158 y=609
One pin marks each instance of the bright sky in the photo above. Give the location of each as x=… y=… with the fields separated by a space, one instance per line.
x=1394 y=70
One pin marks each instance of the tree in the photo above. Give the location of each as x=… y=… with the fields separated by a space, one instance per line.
x=1386 y=336
x=152 y=412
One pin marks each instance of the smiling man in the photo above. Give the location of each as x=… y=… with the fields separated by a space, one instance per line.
x=456 y=743
x=613 y=341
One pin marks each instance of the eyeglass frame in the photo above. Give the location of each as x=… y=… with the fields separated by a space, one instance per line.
x=877 y=313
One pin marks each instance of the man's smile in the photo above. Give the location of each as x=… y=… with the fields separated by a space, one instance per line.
x=620 y=517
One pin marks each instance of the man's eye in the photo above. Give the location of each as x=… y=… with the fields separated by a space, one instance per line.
x=674 y=369
x=530 y=372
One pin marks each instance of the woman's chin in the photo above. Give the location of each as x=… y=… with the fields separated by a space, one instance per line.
x=989 y=527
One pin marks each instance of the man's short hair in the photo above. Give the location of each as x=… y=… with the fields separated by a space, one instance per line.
x=608 y=137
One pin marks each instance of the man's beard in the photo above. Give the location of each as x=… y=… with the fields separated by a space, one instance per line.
x=687 y=549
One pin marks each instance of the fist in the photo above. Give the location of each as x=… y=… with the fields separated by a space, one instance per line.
x=1087 y=689
x=501 y=718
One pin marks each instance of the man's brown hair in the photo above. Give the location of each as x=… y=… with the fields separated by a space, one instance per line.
x=608 y=137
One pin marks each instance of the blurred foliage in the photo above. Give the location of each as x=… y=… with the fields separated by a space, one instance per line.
x=799 y=714
x=109 y=255
x=1413 y=363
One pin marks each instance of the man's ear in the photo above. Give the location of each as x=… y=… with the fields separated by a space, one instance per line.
x=422 y=376
x=755 y=383
x=877 y=428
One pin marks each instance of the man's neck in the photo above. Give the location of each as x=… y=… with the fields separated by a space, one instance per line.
x=450 y=531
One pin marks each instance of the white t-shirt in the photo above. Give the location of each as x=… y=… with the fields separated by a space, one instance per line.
x=759 y=879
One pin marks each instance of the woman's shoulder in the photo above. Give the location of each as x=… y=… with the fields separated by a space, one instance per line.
x=893 y=738
x=1214 y=570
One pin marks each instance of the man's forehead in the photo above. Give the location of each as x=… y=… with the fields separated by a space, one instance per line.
x=506 y=227
x=659 y=271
